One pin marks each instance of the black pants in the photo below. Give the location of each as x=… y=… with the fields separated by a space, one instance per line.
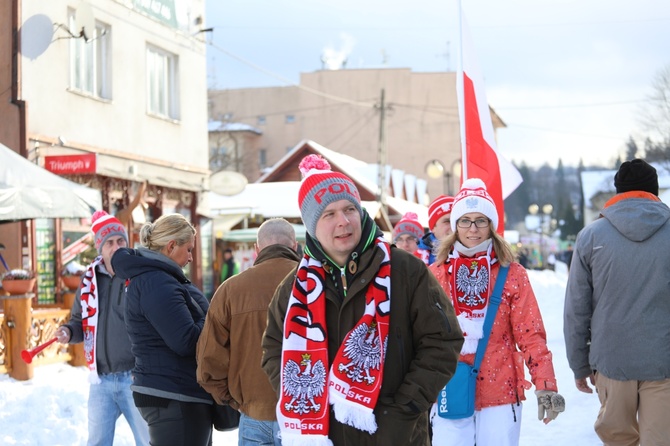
x=180 y=423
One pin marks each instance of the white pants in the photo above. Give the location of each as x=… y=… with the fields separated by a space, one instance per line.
x=491 y=426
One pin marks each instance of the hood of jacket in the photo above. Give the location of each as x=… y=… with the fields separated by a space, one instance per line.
x=129 y=263
x=637 y=219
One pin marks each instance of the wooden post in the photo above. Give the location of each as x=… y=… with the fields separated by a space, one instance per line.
x=76 y=350
x=18 y=315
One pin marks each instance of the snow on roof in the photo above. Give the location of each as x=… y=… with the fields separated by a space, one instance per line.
x=219 y=126
x=361 y=172
x=280 y=199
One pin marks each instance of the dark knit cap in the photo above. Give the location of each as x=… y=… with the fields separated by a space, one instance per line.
x=636 y=175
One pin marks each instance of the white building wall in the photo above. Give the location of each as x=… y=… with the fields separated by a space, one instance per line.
x=122 y=122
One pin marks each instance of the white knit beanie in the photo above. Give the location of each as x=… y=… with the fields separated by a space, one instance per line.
x=473 y=197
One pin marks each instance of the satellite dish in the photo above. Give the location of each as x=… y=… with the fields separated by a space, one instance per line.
x=36 y=35
x=84 y=21
x=227 y=183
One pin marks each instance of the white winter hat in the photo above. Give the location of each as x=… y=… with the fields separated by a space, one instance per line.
x=473 y=197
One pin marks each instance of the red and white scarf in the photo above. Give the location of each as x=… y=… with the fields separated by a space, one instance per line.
x=470 y=274
x=352 y=383
x=89 y=317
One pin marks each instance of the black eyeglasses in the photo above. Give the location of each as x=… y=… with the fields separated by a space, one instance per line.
x=480 y=223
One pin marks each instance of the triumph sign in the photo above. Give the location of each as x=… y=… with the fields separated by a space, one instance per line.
x=71 y=164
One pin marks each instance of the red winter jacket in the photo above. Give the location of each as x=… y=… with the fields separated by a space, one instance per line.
x=517 y=336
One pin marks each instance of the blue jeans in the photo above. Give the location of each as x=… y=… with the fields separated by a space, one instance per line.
x=255 y=432
x=106 y=402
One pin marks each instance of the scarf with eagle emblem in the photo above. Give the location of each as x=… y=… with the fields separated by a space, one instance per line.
x=352 y=383
x=470 y=273
x=89 y=317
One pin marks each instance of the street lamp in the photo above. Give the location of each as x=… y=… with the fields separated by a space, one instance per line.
x=436 y=169
x=547 y=209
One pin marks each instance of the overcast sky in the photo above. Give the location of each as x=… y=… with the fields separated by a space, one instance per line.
x=569 y=78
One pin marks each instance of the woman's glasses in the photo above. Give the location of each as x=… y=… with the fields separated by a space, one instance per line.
x=479 y=223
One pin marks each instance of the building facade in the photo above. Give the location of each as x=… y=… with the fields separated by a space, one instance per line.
x=342 y=110
x=115 y=99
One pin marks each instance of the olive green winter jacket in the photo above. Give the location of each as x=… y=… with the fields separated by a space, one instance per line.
x=423 y=346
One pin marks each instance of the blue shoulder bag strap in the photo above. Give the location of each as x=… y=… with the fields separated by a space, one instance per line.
x=490 y=315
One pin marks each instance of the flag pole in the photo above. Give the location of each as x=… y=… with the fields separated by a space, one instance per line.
x=460 y=95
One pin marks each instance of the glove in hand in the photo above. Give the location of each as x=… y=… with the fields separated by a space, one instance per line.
x=549 y=405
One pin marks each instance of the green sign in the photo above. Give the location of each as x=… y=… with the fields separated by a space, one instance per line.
x=161 y=10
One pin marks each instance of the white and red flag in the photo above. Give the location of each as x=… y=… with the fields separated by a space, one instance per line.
x=479 y=154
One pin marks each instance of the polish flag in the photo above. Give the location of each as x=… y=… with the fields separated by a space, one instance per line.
x=478 y=146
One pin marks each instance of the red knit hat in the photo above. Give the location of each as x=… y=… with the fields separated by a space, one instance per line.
x=105 y=226
x=473 y=197
x=408 y=224
x=440 y=206
x=320 y=187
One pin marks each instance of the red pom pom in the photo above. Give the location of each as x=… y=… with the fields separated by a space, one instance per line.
x=313 y=162
x=97 y=215
x=410 y=216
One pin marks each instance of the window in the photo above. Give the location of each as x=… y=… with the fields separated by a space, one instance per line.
x=90 y=62
x=290 y=119
x=261 y=120
x=262 y=158
x=162 y=91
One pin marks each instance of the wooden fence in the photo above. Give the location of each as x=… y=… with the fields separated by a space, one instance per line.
x=23 y=327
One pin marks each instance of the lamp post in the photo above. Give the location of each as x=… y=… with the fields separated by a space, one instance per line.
x=436 y=169
x=547 y=209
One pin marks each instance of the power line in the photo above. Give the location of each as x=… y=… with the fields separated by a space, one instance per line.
x=541 y=129
x=288 y=82
x=420 y=27
x=593 y=104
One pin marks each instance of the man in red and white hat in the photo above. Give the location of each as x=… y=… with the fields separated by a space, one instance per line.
x=439 y=223
x=97 y=320
x=407 y=232
x=361 y=337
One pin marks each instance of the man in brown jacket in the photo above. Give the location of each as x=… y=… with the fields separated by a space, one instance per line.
x=229 y=348
x=361 y=338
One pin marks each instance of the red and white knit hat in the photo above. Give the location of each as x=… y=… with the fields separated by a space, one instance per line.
x=440 y=206
x=408 y=224
x=320 y=187
x=105 y=226
x=473 y=197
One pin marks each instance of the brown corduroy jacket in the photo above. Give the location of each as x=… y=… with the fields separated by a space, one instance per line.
x=229 y=348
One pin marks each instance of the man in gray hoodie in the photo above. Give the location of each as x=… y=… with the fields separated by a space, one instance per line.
x=97 y=320
x=617 y=311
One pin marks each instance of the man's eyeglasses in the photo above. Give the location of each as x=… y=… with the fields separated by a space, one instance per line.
x=406 y=239
x=464 y=223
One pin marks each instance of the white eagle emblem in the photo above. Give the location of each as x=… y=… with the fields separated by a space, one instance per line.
x=472 y=284
x=364 y=349
x=303 y=386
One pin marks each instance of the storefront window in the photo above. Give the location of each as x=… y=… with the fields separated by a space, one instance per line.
x=46 y=260
x=206 y=238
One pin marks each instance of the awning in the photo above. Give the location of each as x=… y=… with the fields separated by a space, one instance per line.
x=28 y=191
x=167 y=176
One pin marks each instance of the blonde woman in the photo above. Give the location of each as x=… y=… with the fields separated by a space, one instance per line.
x=467 y=265
x=164 y=315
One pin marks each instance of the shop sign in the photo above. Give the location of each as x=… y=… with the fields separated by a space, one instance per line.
x=70 y=164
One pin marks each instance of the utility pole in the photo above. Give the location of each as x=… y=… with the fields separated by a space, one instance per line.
x=381 y=161
x=381 y=154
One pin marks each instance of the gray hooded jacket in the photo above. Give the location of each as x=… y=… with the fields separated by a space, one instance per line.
x=617 y=303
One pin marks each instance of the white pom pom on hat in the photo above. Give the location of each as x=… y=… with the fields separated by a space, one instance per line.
x=473 y=197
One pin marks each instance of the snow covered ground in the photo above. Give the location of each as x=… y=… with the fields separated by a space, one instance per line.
x=50 y=409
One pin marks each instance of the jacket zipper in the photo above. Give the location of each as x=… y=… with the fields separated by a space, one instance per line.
x=444 y=316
